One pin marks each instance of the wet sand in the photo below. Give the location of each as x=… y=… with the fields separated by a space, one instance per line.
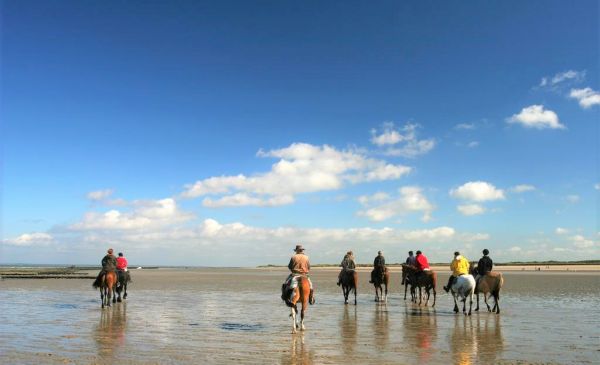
x=222 y=316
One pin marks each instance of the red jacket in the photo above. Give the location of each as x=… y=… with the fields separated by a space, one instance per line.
x=121 y=263
x=422 y=262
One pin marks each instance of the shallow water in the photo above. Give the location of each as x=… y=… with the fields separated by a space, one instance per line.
x=236 y=316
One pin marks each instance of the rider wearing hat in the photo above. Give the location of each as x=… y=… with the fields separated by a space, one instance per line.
x=378 y=266
x=347 y=264
x=485 y=264
x=109 y=263
x=459 y=266
x=299 y=266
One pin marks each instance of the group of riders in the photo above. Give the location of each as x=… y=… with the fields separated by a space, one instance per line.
x=118 y=265
x=299 y=265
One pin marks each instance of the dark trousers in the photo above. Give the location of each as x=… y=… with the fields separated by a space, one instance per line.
x=451 y=280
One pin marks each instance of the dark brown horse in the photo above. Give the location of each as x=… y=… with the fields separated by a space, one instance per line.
x=301 y=295
x=425 y=279
x=489 y=284
x=107 y=283
x=349 y=280
x=123 y=278
x=380 y=278
x=406 y=282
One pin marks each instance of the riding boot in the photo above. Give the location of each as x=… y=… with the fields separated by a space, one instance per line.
x=311 y=297
x=450 y=282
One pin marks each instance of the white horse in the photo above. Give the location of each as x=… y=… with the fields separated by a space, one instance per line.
x=464 y=286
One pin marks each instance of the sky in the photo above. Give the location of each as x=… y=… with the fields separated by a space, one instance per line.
x=223 y=133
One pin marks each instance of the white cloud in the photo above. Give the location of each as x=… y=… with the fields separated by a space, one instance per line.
x=554 y=81
x=477 y=191
x=146 y=214
x=471 y=209
x=581 y=242
x=464 y=126
x=573 y=199
x=377 y=197
x=597 y=186
x=561 y=231
x=401 y=142
x=586 y=97
x=411 y=200
x=535 y=116
x=522 y=188
x=302 y=168
x=30 y=239
x=99 y=194
x=515 y=249
x=473 y=144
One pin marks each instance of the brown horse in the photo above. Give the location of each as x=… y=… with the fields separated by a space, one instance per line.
x=406 y=282
x=381 y=278
x=489 y=284
x=426 y=279
x=349 y=280
x=107 y=283
x=301 y=295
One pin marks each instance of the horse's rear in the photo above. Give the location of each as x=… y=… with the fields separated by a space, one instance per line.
x=381 y=279
x=491 y=283
x=107 y=284
x=349 y=281
x=464 y=286
x=123 y=278
x=301 y=295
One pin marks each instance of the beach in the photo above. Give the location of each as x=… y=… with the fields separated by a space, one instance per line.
x=225 y=315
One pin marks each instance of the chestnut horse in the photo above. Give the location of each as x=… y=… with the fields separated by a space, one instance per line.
x=426 y=279
x=107 y=284
x=379 y=279
x=301 y=295
x=349 y=280
x=490 y=283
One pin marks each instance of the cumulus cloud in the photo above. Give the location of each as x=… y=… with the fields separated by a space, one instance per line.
x=146 y=214
x=30 y=239
x=477 y=191
x=522 y=188
x=402 y=141
x=302 y=168
x=99 y=194
x=586 y=97
x=410 y=200
x=377 y=197
x=581 y=242
x=562 y=77
x=561 y=231
x=535 y=116
x=471 y=209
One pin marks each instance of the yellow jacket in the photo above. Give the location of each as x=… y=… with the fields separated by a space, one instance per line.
x=459 y=266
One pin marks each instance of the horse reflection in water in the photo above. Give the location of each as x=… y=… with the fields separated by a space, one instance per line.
x=381 y=327
x=476 y=340
x=348 y=326
x=421 y=331
x=110 y=333
x=299 y=353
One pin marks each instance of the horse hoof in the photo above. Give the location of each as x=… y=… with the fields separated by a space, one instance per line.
x=119 y=300
x=477 y=310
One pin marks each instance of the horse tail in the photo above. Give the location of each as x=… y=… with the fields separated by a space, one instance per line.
x=433 y=279
x=98 y=282
x=499 y=284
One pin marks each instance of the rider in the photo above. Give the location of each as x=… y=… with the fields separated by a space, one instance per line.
x=299 y=265
x=421 y=263
x=459 y=266
x=347 y=264
x=484 y=265
x=109 y=263
x=411 y=259
x=378 y=266
x=122 y=265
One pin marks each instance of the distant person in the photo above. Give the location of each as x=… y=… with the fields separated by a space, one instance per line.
x=485 y=265
x=378 y=266
x=299 y=265
x=411 y=259
x=347 y=264
x=459 y=266
x=421 y=263
x=109 y=264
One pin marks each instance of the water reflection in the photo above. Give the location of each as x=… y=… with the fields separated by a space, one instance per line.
x=476 y=339
x=299 y=352
x=381 y=326
x=349 y=327
x=421 y=331
x=489 y=339
x=110 y=331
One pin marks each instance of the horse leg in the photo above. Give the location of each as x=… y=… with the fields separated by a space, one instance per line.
x=485 y=297
x=477 y=294
x=302 y=328
x=293 y=319
x=102 y=296
x=405 y=289
x=420 y=296
x=464 y=305
x=386 y=292
x=434 y=294
x=114 y=295
x=125 y=290
x=497 y=301
x=346 y=292
x=455 y=303
x=470 y=302
x=355 y=294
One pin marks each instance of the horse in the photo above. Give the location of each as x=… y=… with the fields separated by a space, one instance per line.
x=349 y=280
x=406 y=282
x=106 y=283
x=426 y=279
x=381 y=278
x=123 y=278
x=301 y=295
x=490 y=283
x=464 y=286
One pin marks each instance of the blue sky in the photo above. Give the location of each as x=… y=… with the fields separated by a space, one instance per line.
x=224 y=133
